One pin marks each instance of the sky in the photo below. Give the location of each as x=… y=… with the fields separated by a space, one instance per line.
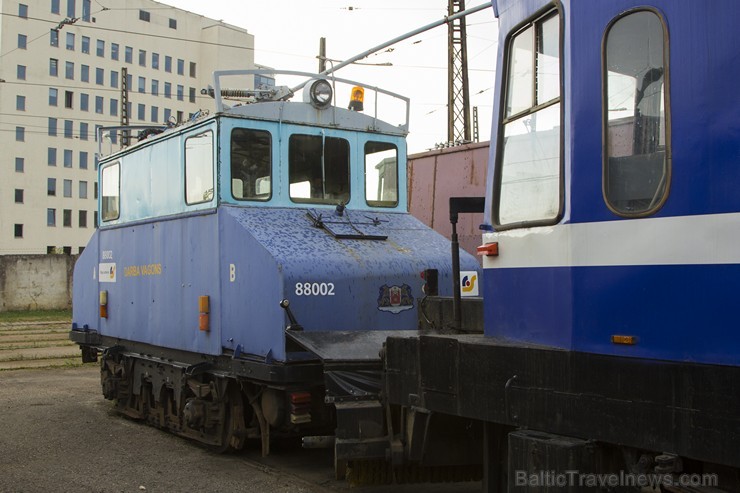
x=287 y=34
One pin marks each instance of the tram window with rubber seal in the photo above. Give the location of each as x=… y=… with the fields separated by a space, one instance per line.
x=199 y=168
x=528 y=183
x=637 y=170
x=318 y=169
x=381 y=174
x=251 y=164
x=110 y=192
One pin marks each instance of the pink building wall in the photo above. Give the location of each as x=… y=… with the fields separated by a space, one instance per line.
x=435 y=176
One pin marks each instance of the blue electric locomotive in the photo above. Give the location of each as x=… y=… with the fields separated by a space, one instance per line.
x=222 y=236
x=610 y=262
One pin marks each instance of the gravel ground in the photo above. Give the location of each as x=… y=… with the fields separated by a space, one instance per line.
x=58 y=434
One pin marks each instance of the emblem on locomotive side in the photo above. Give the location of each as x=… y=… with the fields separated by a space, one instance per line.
x=395 y=299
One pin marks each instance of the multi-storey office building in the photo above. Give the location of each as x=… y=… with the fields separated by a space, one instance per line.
x=61 y=78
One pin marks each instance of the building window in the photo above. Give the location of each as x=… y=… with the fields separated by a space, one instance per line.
x=199 y=168
x=22 y=41
x=173 y=23
x=99 y=104
x=85 y=44
x=67 y=158
x=155 y=87
x=114 y=79
x=84 y=101
x=83 y=159
x=168 y=64
x=141 y=112
x=167 y=114
x=69 y=70
x=68 y=99
x=114 y=51
x=86 y=4
x=155 y=114
x=23 y=11
x=51 y=156
x=70 y=41
x=192 y=94
x=82 y=220
x=99 y=76
x=192 y=69
x=67 y=219
x=51 y=187
x=20 y=72
x=18 y=231
x=637 y=158
x=83 y=189
x=53 y=67
x=95 y=219
x=71 y=8
x=111 y=191
x=95 y=190
x=54 y=38
x=155 y=61
x=85 y=73
x=52 y=127
x=129 y=55
x=529 y=168
x=144 y=15
x=19 y=165
x=51 y=217
x=84 y=131
x=54 y=6
x=180 y=93
x=68 y=126
x=20 y=134
x=100 y=48
x=18 y=195
x=142 y=84
x=180 y=67
x=113 y=107
x=142 y=58
x=67 y=186
x=20 y=103
x=167 y=90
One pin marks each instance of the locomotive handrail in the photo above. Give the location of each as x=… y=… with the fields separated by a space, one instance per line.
x=283 y=93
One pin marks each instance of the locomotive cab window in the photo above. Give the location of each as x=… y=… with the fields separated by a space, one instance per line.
x=250 y=164
x=381 y=174
x=199 y=168
x=637 y=155
x=110 y=192
x=318 y=169
x=528 y=186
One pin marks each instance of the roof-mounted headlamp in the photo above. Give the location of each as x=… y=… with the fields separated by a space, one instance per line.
x=319 y=93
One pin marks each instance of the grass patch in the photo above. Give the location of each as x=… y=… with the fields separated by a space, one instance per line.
x=35 y=315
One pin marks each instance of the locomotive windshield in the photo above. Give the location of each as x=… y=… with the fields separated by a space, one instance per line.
x=251 y=164
x=318 y=169
x=381 y=174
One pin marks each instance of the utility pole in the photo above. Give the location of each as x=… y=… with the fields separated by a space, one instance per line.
x=458 y=93
x=124 y=106
x=322 y=55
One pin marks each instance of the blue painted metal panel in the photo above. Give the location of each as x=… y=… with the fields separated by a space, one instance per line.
x=85 y=309
x=677 y=312
x=278 y=253
x=161 y=268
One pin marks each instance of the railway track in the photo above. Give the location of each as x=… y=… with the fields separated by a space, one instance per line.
x=37 y=344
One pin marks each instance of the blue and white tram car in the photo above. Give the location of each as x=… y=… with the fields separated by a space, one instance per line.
x=219 y=234
x=611 y=260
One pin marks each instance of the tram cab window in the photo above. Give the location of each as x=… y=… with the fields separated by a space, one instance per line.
x=318 y=169
x=381 y=174
x=199 y=168
x=251 y=164
x=110 y=192
x=528 y=164
x=637 y=168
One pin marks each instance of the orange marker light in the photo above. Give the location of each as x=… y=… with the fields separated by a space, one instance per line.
x=204 y=307
x=357 y=99
x=625 y=340
x=488 y=250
